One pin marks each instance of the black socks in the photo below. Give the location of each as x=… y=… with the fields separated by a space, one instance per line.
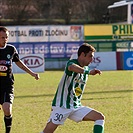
x=8 y=123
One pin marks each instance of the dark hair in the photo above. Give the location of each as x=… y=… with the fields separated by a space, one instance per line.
x=86 y=48
x=2 y=28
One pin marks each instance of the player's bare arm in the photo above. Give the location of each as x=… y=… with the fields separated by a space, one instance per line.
x=76 y=68
x=21 y=65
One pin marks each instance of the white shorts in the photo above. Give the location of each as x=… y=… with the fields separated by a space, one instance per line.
x=60 y=114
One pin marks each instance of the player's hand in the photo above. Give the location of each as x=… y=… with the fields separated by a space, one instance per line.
x=95 y=71
x=36 y=75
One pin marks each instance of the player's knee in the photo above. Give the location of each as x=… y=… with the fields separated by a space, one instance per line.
x=7 y=108
x=100 y=120
x=101 y=117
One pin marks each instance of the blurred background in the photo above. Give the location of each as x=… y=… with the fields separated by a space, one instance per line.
x=55 y=29
x=36 y=12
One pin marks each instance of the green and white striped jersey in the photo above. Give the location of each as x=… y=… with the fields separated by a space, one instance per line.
x=70 y=88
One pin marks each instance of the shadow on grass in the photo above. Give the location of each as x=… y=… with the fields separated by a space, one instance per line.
x=113 y=91
x=42 y=95
x=100 y=98
x=98 y=92
x=107 y=92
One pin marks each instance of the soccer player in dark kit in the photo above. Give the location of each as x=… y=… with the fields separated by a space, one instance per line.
x=9 y=54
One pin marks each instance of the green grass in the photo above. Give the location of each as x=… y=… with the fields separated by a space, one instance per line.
x=111 y=93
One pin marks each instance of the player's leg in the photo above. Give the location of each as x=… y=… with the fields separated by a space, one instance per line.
x=57 y=117
x=50 y=127
x=7 y=109
x=89 y=114
x=98 y=118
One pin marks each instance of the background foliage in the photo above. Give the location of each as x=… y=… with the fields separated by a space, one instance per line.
x=36 y=12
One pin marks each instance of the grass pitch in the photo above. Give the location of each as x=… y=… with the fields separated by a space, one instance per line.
x=111 y=93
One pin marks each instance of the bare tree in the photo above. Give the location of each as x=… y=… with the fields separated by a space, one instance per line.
x=51 y=11
x=89 y=10
x=18 y=10
x=96 y=9
x=65 y=9
x=43 y=8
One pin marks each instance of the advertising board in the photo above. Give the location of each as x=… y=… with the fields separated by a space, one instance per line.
x=102 y=60
x=128 y=61
x=108 y=32
x=45 y=33
x=49 y=49
x=34 y=61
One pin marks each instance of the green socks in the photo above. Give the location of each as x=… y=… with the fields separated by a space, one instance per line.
x=98 y=129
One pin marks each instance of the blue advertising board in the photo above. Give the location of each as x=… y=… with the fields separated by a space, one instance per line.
x=128 y=61
x=49 y=49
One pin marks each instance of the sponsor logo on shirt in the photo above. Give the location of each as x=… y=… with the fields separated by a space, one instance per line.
x=3 y=68
x=4 y=62
x=78 y=91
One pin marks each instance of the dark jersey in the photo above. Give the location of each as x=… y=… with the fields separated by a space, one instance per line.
x=8 y=54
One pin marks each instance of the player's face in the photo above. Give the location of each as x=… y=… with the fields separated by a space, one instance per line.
x=3 y=38
x=89 y=58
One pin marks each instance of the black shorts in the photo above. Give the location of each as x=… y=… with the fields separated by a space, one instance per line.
x=6 y=94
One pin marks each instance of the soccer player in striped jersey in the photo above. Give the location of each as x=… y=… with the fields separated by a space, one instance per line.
x=9 y=54
x=67 y=100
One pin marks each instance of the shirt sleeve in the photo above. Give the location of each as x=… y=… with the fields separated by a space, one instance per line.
x=70 y=62
x=15 y=56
